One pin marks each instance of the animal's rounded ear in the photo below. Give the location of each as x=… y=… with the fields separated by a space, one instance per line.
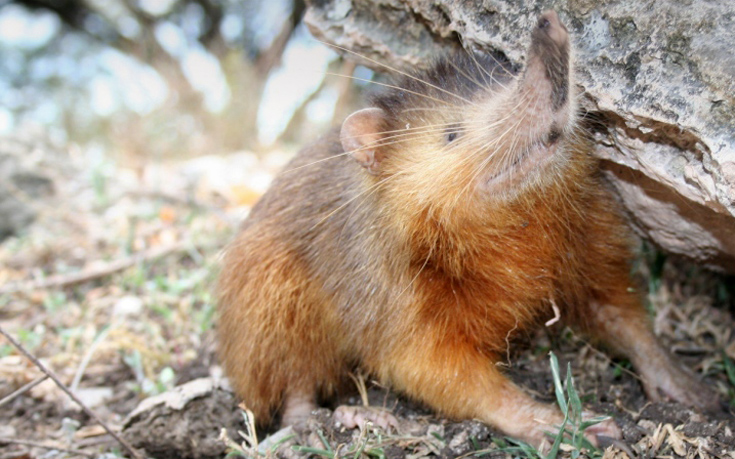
x=361 y=135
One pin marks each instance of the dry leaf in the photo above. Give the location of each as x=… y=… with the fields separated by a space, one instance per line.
x=658 y=437
x=676 y=441
x=167 y=214
x=89 y=431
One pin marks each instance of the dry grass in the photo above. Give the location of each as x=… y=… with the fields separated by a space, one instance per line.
x=127 y=331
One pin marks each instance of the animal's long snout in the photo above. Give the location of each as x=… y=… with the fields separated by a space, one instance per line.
x=550 y=48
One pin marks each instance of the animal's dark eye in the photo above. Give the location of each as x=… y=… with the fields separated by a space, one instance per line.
x=553 y=136
x=452 y=131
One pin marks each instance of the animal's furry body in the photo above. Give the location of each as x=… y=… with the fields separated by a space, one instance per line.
x=481 y=209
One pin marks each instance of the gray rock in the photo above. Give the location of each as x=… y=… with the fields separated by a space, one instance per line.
x=185 y=422
x=658 y=75
x=21 y=184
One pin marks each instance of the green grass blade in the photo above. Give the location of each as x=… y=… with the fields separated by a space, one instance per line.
x=520 y=447
x=316 y=451
x=592 y=421
x=554 y=451
x=574 y=401
x=729 y=368
x=378 y=453
x=558 y=388
x=324 y=440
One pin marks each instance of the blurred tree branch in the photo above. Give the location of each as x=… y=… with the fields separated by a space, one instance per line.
x=271 y=56
x=130 y=28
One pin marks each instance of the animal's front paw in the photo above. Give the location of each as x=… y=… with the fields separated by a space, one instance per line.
x=601 y=434
x=679 y=384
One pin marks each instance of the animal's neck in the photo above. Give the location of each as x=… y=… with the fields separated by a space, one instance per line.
x=529 y=236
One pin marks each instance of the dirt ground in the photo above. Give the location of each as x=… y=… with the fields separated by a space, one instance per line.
x=111 y=288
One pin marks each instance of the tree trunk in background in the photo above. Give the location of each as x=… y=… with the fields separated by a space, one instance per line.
x=658 y=75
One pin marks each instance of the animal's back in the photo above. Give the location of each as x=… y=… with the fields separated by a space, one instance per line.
x=304 y=248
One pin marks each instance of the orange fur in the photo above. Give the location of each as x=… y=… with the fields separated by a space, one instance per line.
x=420 y=260
x=283 y=341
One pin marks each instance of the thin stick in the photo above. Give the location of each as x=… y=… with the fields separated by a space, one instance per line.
x=557 y=314
x=63 y=280
x=87 y=358
x=37 y=444
x=22 y=390
x=71 y=395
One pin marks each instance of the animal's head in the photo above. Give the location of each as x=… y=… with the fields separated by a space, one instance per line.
x=469 y=132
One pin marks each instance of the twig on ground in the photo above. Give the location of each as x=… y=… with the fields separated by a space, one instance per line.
x=87 y=357
x=22 y=390
x=95 y=442
x=63 y=280
x=37 y=444
x=359 y=380
x=61 y=386
x=557 y=314
x=15 y=454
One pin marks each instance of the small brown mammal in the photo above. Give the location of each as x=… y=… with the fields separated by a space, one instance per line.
x=449 y=215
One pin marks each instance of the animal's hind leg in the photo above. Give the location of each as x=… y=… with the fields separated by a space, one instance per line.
x=622 y=323
x=457 y=379
x=298 y=404
x=614 y=313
